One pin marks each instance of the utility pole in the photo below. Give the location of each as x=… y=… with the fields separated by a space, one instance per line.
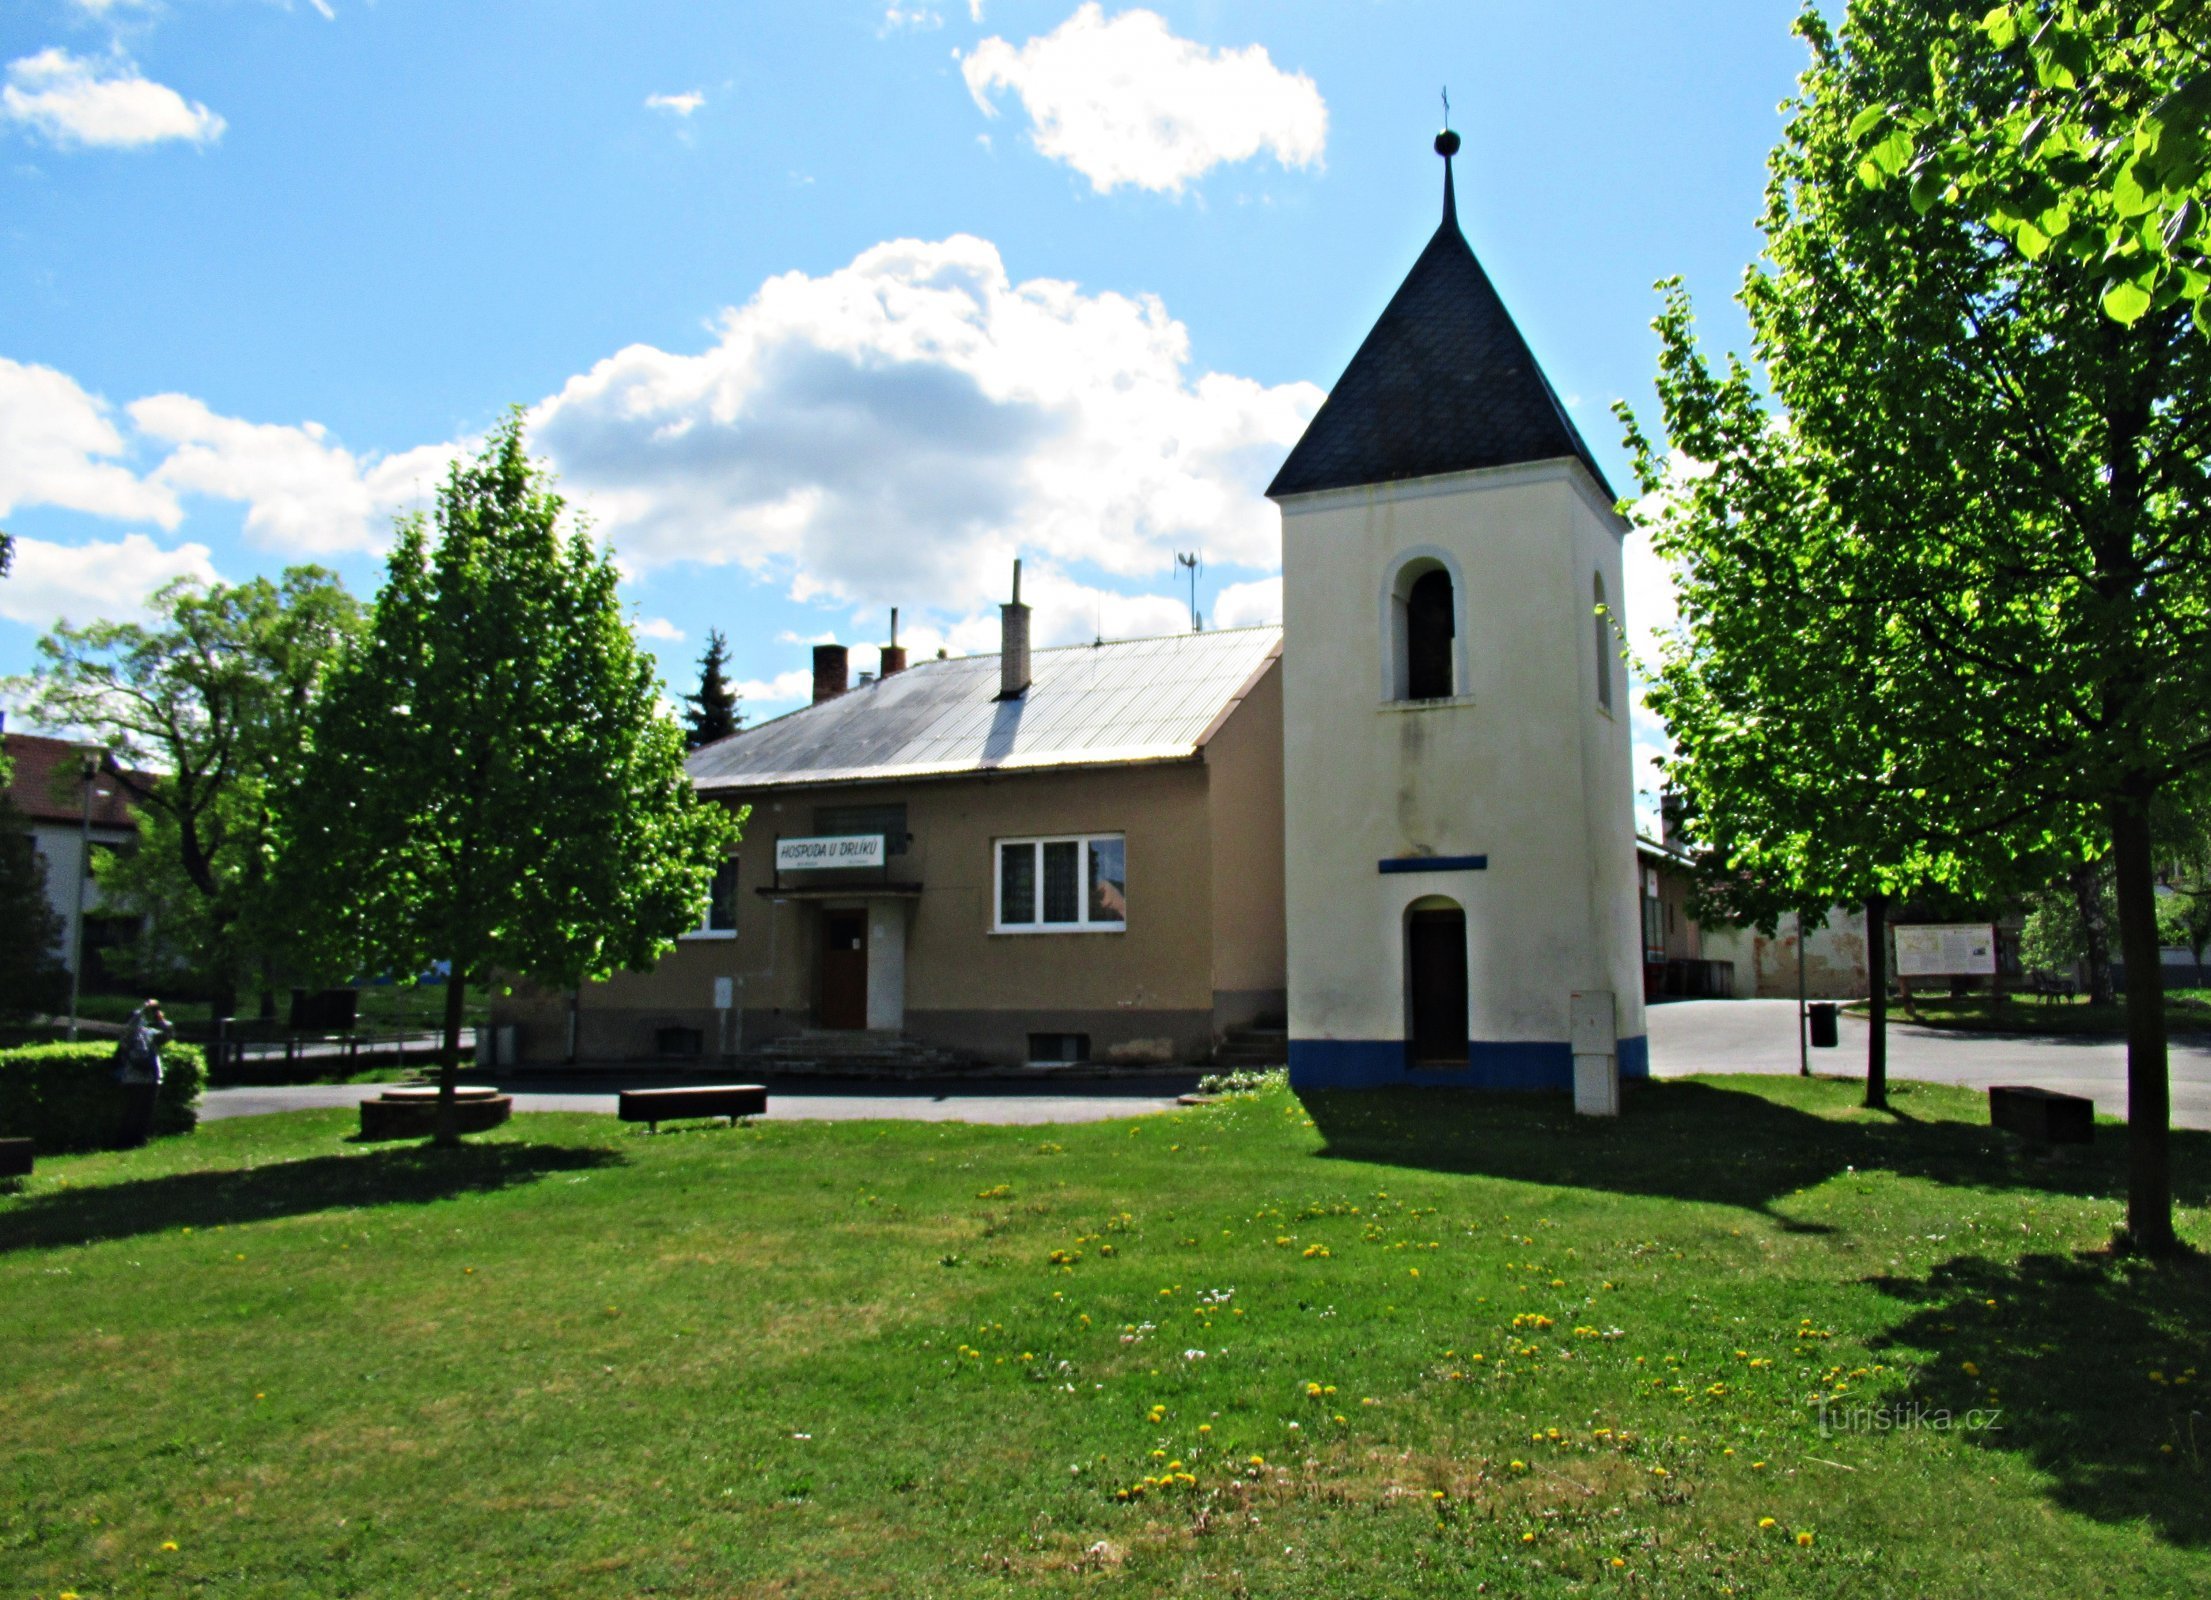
x=90 y=774
x=1803 y=1037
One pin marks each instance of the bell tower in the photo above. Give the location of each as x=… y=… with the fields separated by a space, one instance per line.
x=1459 y=791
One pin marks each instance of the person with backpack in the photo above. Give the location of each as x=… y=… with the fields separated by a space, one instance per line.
x=138 y=1071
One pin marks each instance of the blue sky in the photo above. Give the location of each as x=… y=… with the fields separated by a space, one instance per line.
x=820 y=307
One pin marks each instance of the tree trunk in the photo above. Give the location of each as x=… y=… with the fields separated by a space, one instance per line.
x=449 y=1065
x=268 y=1005
x=2149 y=1095
x=1877 y=975
x=2088 y=901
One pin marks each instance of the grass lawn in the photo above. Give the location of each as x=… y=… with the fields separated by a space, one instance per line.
x=2186 y=1011
x=1393 y=1345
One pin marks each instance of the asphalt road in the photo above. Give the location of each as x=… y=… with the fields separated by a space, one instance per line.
x=1693 y=1036
x=1689 y=1036
x=998 y=1101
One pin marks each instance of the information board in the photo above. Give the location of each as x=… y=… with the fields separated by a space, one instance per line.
x=1946 y=950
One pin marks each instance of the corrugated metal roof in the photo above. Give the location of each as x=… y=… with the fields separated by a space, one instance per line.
x=1106 y=704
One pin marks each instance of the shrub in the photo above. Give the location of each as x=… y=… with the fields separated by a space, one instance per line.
x=65 y=1097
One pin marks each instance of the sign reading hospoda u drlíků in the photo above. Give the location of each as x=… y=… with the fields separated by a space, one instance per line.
x=834 y=850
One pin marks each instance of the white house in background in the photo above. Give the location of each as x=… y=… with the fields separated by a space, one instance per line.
x=48 y=790
x=1458 y=790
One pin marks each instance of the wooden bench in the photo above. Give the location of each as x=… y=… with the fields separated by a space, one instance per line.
x=2042 y=1116
x=655 y=1106
x=15 y=1158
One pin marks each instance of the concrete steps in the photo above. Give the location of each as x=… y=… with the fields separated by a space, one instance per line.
x=1252 y=1048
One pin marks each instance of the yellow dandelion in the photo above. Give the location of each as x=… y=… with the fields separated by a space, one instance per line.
x=1804 y=1540
x=1766 y=1522
x=168 y=1544
x=1527 y=1538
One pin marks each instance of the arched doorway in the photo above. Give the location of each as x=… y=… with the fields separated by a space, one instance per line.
x=1435 y=983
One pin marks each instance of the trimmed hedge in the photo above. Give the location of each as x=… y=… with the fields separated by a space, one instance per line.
x=65 y=1097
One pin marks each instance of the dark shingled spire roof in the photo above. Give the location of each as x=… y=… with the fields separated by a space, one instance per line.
x=1444 y=383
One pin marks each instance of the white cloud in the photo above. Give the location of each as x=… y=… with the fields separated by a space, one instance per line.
x=1124 y=101
x=101 y=580
x=891 y=433
x=660 y=628
x=784 y=690
x=898 y=18
x=304 y=494
x=894 y=432
x=76 y=101
x=1248 y=605
x=681 y=105
x=54 y=441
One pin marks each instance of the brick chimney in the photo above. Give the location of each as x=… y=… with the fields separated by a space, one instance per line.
x=1013 y=643
x=829 y=671
x=894 y=653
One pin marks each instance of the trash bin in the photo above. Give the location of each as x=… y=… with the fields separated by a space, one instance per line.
x=1826 y=1033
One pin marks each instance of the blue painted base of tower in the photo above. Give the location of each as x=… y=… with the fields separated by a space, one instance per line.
x=1529 y=1064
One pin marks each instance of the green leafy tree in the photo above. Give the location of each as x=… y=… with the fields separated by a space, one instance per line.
x=2001 y=489
x=492 y=783
x=1776 y=683
x=2083 y=137
x=713 y=714
x=202 y=709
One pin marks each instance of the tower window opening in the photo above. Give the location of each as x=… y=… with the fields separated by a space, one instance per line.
x=1601 y=616
x=1429 y=632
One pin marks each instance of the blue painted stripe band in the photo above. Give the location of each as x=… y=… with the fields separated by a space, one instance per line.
x=1491 y=1064
x=1435 y=864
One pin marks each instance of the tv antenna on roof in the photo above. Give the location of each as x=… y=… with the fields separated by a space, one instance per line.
x=1193 y=562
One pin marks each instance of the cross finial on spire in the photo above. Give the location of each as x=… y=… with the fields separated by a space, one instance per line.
x=1447 y=146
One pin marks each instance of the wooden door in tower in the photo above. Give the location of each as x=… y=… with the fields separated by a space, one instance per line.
x=844 y=969
x=1435 y=974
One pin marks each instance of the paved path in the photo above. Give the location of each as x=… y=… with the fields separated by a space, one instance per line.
x=1691 y=1036
x=1687 y=1036
x=999 y=1101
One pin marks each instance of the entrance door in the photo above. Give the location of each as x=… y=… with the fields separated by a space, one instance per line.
x=844 y=969
x=1435 y=972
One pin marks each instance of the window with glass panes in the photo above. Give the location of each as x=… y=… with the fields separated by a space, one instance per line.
x=721 y=905
x=1063 y=885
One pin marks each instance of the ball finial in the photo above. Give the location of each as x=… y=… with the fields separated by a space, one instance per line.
x=1447 y=144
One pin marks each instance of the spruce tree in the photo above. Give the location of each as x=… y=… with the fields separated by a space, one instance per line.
x=714 y=714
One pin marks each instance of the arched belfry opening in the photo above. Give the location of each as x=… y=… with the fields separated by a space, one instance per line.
x=1603 y=615
x=1424 y=632
x=1436 y=997
x=1429 y=631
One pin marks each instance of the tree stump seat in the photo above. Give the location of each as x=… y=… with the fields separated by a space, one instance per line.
x=411 y=1092
x=402 y=1115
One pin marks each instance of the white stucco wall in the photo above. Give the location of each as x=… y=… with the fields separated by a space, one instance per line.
x=1520 y=765
x=61 y=847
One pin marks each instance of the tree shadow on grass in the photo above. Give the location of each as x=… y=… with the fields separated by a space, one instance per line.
x=1702 y=1142
x=2101 y=1370
x=413 y=1174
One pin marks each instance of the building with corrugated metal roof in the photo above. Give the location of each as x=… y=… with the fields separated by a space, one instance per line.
x=1042 y=856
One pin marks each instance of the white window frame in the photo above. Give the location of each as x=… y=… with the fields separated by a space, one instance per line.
x=1082 y=843
x=703 y=931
